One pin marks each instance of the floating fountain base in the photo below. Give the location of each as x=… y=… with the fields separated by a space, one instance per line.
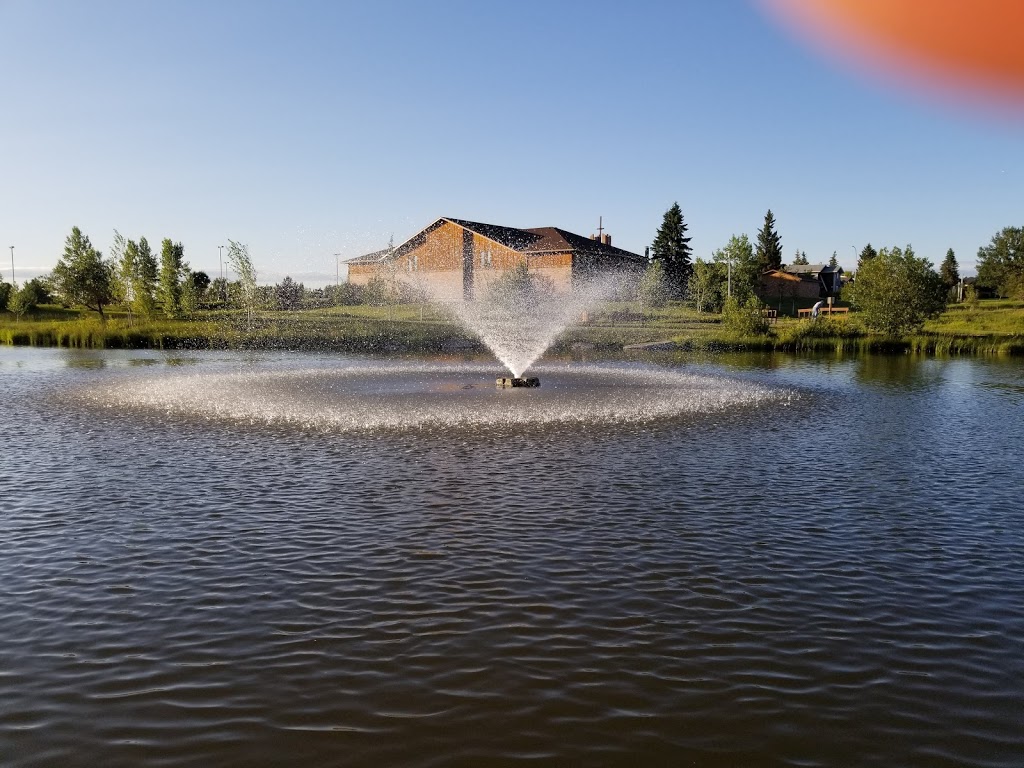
x=506 y=382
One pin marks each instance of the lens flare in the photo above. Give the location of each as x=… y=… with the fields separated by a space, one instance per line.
x=963 y=48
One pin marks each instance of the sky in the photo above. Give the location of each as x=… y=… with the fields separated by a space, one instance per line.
x=310 y=129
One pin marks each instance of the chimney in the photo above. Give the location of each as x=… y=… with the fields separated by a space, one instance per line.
x=606 y=239
x=593 y=237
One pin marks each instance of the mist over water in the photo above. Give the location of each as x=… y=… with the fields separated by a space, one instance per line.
x=353 y=396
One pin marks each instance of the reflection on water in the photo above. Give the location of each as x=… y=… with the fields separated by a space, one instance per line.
x=814 y=570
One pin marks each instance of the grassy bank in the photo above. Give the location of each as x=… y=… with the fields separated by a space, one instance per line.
x=989 y=328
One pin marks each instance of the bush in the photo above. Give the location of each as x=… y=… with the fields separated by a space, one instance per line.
x=744 y=319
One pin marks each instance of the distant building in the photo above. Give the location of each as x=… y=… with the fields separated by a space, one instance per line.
x=453 y=258
x=801 y=281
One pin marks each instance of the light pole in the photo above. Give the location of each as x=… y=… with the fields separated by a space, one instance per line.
x=337 y=270
x=12 y=266
x=220 y=251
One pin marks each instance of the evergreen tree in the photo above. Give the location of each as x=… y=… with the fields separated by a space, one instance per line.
x=171 y=264
x=949 y=270
x=866 y=255
x=288 y=294
x=834 y=261
x=672 y=248
x=801 y=259
x=82 y=276
x=769 y=246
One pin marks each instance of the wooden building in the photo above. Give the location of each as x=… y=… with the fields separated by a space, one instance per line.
x=452 y=258
x=801 y=281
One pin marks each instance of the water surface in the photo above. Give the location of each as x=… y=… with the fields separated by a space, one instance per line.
x=219 y=559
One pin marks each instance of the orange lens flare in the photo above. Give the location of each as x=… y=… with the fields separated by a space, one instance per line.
x=969 y=46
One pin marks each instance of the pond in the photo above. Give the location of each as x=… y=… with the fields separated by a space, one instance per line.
x=245 y=559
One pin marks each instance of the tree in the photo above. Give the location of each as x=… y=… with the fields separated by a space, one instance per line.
x=172 y=265
x=949 y=270
x=769 y=246
x=146 y=274
x=188 y=300
x=37 y=292
x=5 y=294
x=122 y=259
x=654 y=290
x=800 y=259
x=672 y=248
x=1001 y=263
x=82 y=276
x=897 y=291
x=201 y=280
x=834 y=261
x=22 y=301
x=866 y=255
x=241 y=263
x=288 y=294
x=741 y=266
x=707 y=285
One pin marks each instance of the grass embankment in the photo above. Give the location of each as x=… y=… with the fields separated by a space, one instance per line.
x=990 y=327
x=364 y=329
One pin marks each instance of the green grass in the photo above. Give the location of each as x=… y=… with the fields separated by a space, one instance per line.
x=991 y=327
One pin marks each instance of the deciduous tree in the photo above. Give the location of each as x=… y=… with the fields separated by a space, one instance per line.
x=741 y=265
x=1001 y=263
x=172 y=264
x=241 y=263
x=82 y=276
x=707 y=285
x=896 y=291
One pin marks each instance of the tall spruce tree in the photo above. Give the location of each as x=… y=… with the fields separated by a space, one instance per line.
x=769 y=246
x=866 y=255
x=834 y=261
x=671 y=247
x=949 y=270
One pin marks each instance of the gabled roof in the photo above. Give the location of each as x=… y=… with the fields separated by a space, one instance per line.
x=370 y=258
x=812 y=269
x=531 y=242
x=781 y=274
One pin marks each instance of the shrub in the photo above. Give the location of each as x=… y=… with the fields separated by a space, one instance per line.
x=744 y=319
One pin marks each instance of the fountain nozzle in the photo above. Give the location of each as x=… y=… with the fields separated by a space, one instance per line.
x=507 y=382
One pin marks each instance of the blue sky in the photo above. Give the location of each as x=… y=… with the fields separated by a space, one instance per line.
x=305 y=129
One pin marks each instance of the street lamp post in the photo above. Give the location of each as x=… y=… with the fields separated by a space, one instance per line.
x=12 y=266
x=337 y=270
x=220 y=251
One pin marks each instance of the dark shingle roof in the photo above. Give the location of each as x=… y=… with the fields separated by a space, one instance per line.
x=527 y=241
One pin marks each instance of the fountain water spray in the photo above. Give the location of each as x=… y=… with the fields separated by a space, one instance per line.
x=519 y=316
